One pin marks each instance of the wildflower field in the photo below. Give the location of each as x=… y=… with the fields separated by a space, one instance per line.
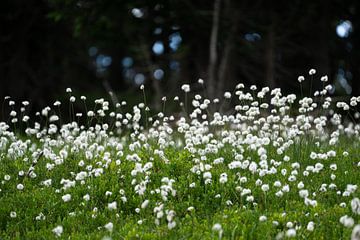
x=256 y=164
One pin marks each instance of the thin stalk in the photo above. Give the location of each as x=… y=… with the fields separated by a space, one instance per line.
x=146 y=116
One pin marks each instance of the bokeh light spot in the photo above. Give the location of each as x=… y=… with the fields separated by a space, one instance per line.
x=158 y=74
x=344 y=28
x=158 y=48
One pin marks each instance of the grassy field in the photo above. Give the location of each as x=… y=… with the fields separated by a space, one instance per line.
x=274 y=167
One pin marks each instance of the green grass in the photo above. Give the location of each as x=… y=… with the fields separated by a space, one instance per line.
x=178 y=165
x=239 y=220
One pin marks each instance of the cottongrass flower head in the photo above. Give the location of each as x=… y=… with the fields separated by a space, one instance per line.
x=355 y=206
x=13 y=214
x=86 y=197
x=347 y=221
x=218 y=228
x=262 y=218
x=290 y=233
x=355 y=235
x=66 y=197
x=324 y=78
x=185 y=88
x=227 y=95
x=109 y=226
x=310 y=227
x=145 y=204
x=312 y=71
x=112 y=206
x=301 y=79
x=58 y=230
x=20 y=186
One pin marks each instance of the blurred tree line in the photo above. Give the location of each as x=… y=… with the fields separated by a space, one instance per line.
x=97 y=46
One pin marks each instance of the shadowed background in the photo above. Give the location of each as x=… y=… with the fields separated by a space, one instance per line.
x=116 y=45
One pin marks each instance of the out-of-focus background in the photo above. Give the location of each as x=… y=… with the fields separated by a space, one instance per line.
x=97 y=46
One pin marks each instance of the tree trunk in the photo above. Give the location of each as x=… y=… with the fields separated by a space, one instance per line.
x=213 y=50
x=270 y=58
x=223 y=75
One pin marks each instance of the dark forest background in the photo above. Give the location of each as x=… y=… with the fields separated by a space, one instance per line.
x=116 y=45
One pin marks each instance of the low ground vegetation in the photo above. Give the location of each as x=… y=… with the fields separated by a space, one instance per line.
x=273 y=166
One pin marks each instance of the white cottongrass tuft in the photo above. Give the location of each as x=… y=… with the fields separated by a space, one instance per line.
x=66 y=197
x=310 y=227
x=218 y=228
x=58 y=230
x=347 y=221
x=227 y=95
x=312 y=71
x=109 y=226
x=262 y=218
x=13 y=214
x=185 y=88
x=291 y=233
x=112 y=206
x=355 y=235
x=324 y=78
x=355 y=206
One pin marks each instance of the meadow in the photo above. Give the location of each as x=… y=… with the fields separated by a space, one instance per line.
x=256 y=164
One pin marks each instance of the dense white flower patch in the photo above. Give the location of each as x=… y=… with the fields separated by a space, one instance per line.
x=251 y=152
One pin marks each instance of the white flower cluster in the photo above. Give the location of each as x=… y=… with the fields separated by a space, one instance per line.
x=269 y=147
